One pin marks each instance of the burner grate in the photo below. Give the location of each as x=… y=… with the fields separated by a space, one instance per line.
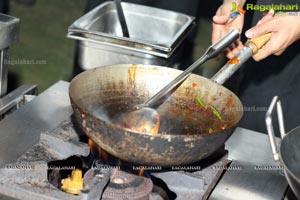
x=64 y=142
x=127 y=186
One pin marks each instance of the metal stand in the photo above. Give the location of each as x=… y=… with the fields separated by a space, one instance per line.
x=3 y=73
x=9 y=34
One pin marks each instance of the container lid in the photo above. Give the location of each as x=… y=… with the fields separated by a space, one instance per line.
x=152 y=30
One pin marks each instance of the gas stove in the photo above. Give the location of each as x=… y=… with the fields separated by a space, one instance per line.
x=41 y=179
x=43 y=132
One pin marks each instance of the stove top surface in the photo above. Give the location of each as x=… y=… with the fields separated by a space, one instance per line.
x=195 y=181
x=249 y=175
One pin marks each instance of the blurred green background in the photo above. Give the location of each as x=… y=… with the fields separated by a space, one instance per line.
x=47 y=51
x=43 y=42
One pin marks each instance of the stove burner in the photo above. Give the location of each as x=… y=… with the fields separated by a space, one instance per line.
x=123 y=185
x=100 y=179
x=95 y=181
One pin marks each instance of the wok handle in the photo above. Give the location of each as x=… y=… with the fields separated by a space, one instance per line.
x=251 y=47
x=269 y=125
x=258 y=42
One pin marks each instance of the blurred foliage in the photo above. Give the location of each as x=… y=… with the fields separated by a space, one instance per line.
x=43 y=54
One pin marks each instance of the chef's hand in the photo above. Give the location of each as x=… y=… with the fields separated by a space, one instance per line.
x=285 y=30
x=222 y=23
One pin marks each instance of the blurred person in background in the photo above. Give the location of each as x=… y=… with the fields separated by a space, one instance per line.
x=278 y=69
x=4 y=4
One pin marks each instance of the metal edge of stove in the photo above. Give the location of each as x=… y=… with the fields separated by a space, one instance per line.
x=247 y=149
x=254 y=173
x=15 y=98
x=3 y=197
x=21 y=129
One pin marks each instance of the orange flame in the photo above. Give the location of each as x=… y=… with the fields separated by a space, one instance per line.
x=141 y=172
x=90 y=142
x=92 y=146
x=103 y=155
x=97 y=151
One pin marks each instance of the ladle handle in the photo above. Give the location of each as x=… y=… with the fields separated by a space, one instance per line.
x=121 y=17
x=269 y=125
x=211 y=52
x=251 y=47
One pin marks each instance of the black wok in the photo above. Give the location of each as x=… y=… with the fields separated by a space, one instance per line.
x=101 y=97
x=289 y=147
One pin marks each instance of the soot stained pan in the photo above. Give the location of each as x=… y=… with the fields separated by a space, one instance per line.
x=188 y=132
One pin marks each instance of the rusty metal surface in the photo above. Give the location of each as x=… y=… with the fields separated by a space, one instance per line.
x=245 y=147
x=124 y=185
x=101 y=96
x=30 y=183
x=95 y=181
x=64 y=141
x=256 y=176
x=185 y=187
x=289 y=152
x=27 y=178
x=21 y=130
x=196 y=181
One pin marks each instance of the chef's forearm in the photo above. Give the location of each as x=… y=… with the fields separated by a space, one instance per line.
x=240 y=2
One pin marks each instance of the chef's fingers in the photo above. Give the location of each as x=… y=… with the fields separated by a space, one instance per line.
x=216 y=33
x=218 y=27
x=279 y=52
x=238 y=47
x=230 y=50
x=220 y=19
x=229 y=54
x=265 y=51
x=233 y=49
x=261 y=29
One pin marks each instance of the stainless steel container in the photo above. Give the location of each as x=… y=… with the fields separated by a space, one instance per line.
x=155 y=35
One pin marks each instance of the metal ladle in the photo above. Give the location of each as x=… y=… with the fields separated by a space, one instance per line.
x=121 y=17
x=145 y=118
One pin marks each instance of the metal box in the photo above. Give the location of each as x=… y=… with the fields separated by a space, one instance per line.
x=9 y=30
x=155 y=35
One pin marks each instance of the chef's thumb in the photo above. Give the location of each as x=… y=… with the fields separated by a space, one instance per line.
x=258 y=30
x=220 y=19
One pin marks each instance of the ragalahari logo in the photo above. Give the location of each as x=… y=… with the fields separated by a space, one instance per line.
x=236 y=10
